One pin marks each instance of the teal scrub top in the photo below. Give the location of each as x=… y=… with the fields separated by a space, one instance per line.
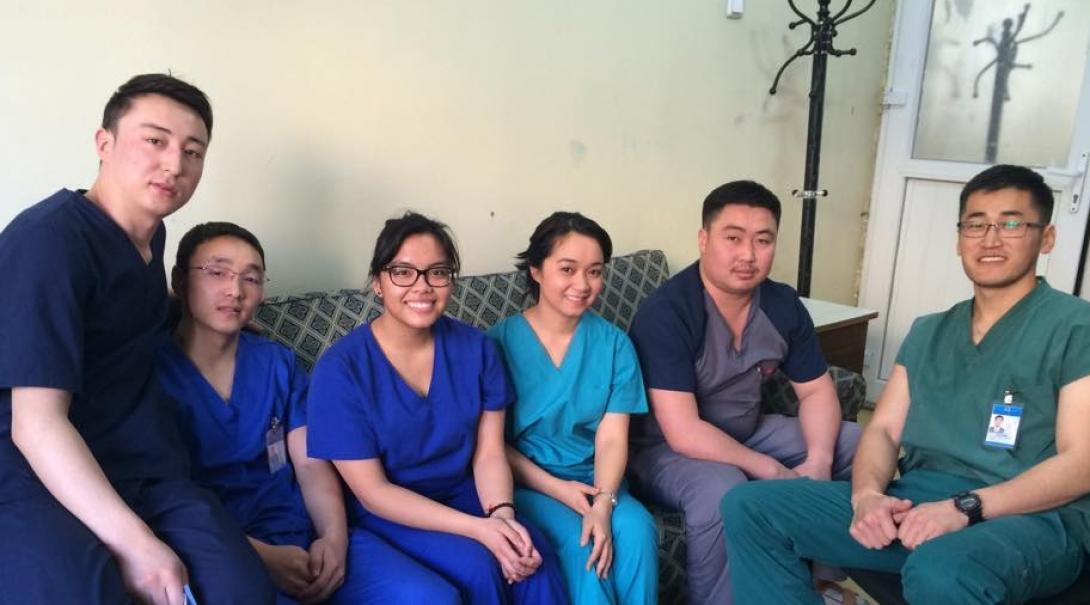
x=1038 y=347
x=557 y=409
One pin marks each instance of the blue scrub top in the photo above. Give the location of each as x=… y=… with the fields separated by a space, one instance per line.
x=82 y=312
x=361 y=408
x=558 y=409
x=227 y=439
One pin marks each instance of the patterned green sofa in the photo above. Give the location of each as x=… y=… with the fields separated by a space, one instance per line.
x=310 y=322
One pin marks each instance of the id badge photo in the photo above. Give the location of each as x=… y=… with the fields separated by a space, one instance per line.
x=275 y=449
x=1003 y=422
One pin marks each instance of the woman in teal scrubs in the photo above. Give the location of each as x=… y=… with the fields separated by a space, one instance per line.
x=577 y=379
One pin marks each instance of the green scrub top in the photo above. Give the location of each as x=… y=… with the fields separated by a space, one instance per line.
x=1039 y=346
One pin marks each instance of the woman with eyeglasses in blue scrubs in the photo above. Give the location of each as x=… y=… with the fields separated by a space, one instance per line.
x=410 y=409
x=241 y=406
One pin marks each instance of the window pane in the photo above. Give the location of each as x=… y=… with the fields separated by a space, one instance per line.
x=962 y=117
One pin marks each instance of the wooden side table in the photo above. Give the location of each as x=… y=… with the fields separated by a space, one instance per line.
x=841 y=330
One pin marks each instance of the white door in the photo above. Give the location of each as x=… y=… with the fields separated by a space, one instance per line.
x=942 y=124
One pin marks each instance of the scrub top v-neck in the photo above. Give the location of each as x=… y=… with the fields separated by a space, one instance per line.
x=228 y=440
x=361 y=408
x=558 y=408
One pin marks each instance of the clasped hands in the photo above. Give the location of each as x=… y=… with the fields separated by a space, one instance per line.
x=309 y=576
x=879 y=519
x=510 y=543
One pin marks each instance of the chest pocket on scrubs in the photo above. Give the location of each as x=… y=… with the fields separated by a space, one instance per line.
x=1037 y=427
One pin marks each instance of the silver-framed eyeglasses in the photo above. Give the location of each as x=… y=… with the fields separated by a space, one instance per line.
x=404 y=276
x=220 y=274
x=1005 y=229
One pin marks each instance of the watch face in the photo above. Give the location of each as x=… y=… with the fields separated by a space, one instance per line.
x=966 y=501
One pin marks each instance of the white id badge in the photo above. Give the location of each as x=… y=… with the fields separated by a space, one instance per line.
x=1003 y=424
x=275 y=449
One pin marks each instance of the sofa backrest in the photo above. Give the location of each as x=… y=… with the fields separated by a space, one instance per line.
x=309 y=323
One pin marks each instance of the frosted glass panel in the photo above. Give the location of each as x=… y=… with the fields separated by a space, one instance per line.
x=1002 y=81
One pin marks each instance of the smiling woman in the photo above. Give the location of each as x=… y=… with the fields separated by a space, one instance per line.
x=410 y=409
x=569 y=431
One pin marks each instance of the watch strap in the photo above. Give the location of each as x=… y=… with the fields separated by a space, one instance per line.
x=969 y=504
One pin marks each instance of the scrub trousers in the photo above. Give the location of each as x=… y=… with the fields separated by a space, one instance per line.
x=696 y=488
x=50 y=557
x=465 y=563
x=774 y=525
x=376 y=573
x=633 y=578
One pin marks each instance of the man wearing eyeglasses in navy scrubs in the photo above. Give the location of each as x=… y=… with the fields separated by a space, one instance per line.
x=976 y=516
x=95 y=503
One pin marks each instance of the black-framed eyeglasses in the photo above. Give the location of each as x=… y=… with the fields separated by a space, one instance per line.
x=1006 y=229
x=406 y=275
x=252 y=278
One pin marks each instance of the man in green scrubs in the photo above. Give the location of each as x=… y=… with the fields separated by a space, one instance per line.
x=976 y=516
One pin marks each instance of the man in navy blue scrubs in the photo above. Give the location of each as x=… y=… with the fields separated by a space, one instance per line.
x=95 y=502
x=707 y=339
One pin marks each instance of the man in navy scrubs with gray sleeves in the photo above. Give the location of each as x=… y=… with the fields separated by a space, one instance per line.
x=707 y=339
x=95 y=501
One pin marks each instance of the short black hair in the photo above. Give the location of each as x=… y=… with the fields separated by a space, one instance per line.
x=746 y=193
x=1004 y=176
x=156 y=84
x=397 y=230
x=545 y=236
x=198 y=235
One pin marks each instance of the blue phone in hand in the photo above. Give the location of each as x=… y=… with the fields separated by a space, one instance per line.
x=189 y=598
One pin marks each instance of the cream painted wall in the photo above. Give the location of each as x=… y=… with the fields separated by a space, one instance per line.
x=334 y=115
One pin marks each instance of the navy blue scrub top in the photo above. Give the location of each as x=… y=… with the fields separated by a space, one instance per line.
x=82 y=312
x=359 y=407
x=227 y=439
x=684 y=345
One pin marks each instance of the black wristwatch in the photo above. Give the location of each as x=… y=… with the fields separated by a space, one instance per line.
x=969 y=503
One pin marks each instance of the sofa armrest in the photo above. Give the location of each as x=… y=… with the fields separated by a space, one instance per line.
x=851 y=388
